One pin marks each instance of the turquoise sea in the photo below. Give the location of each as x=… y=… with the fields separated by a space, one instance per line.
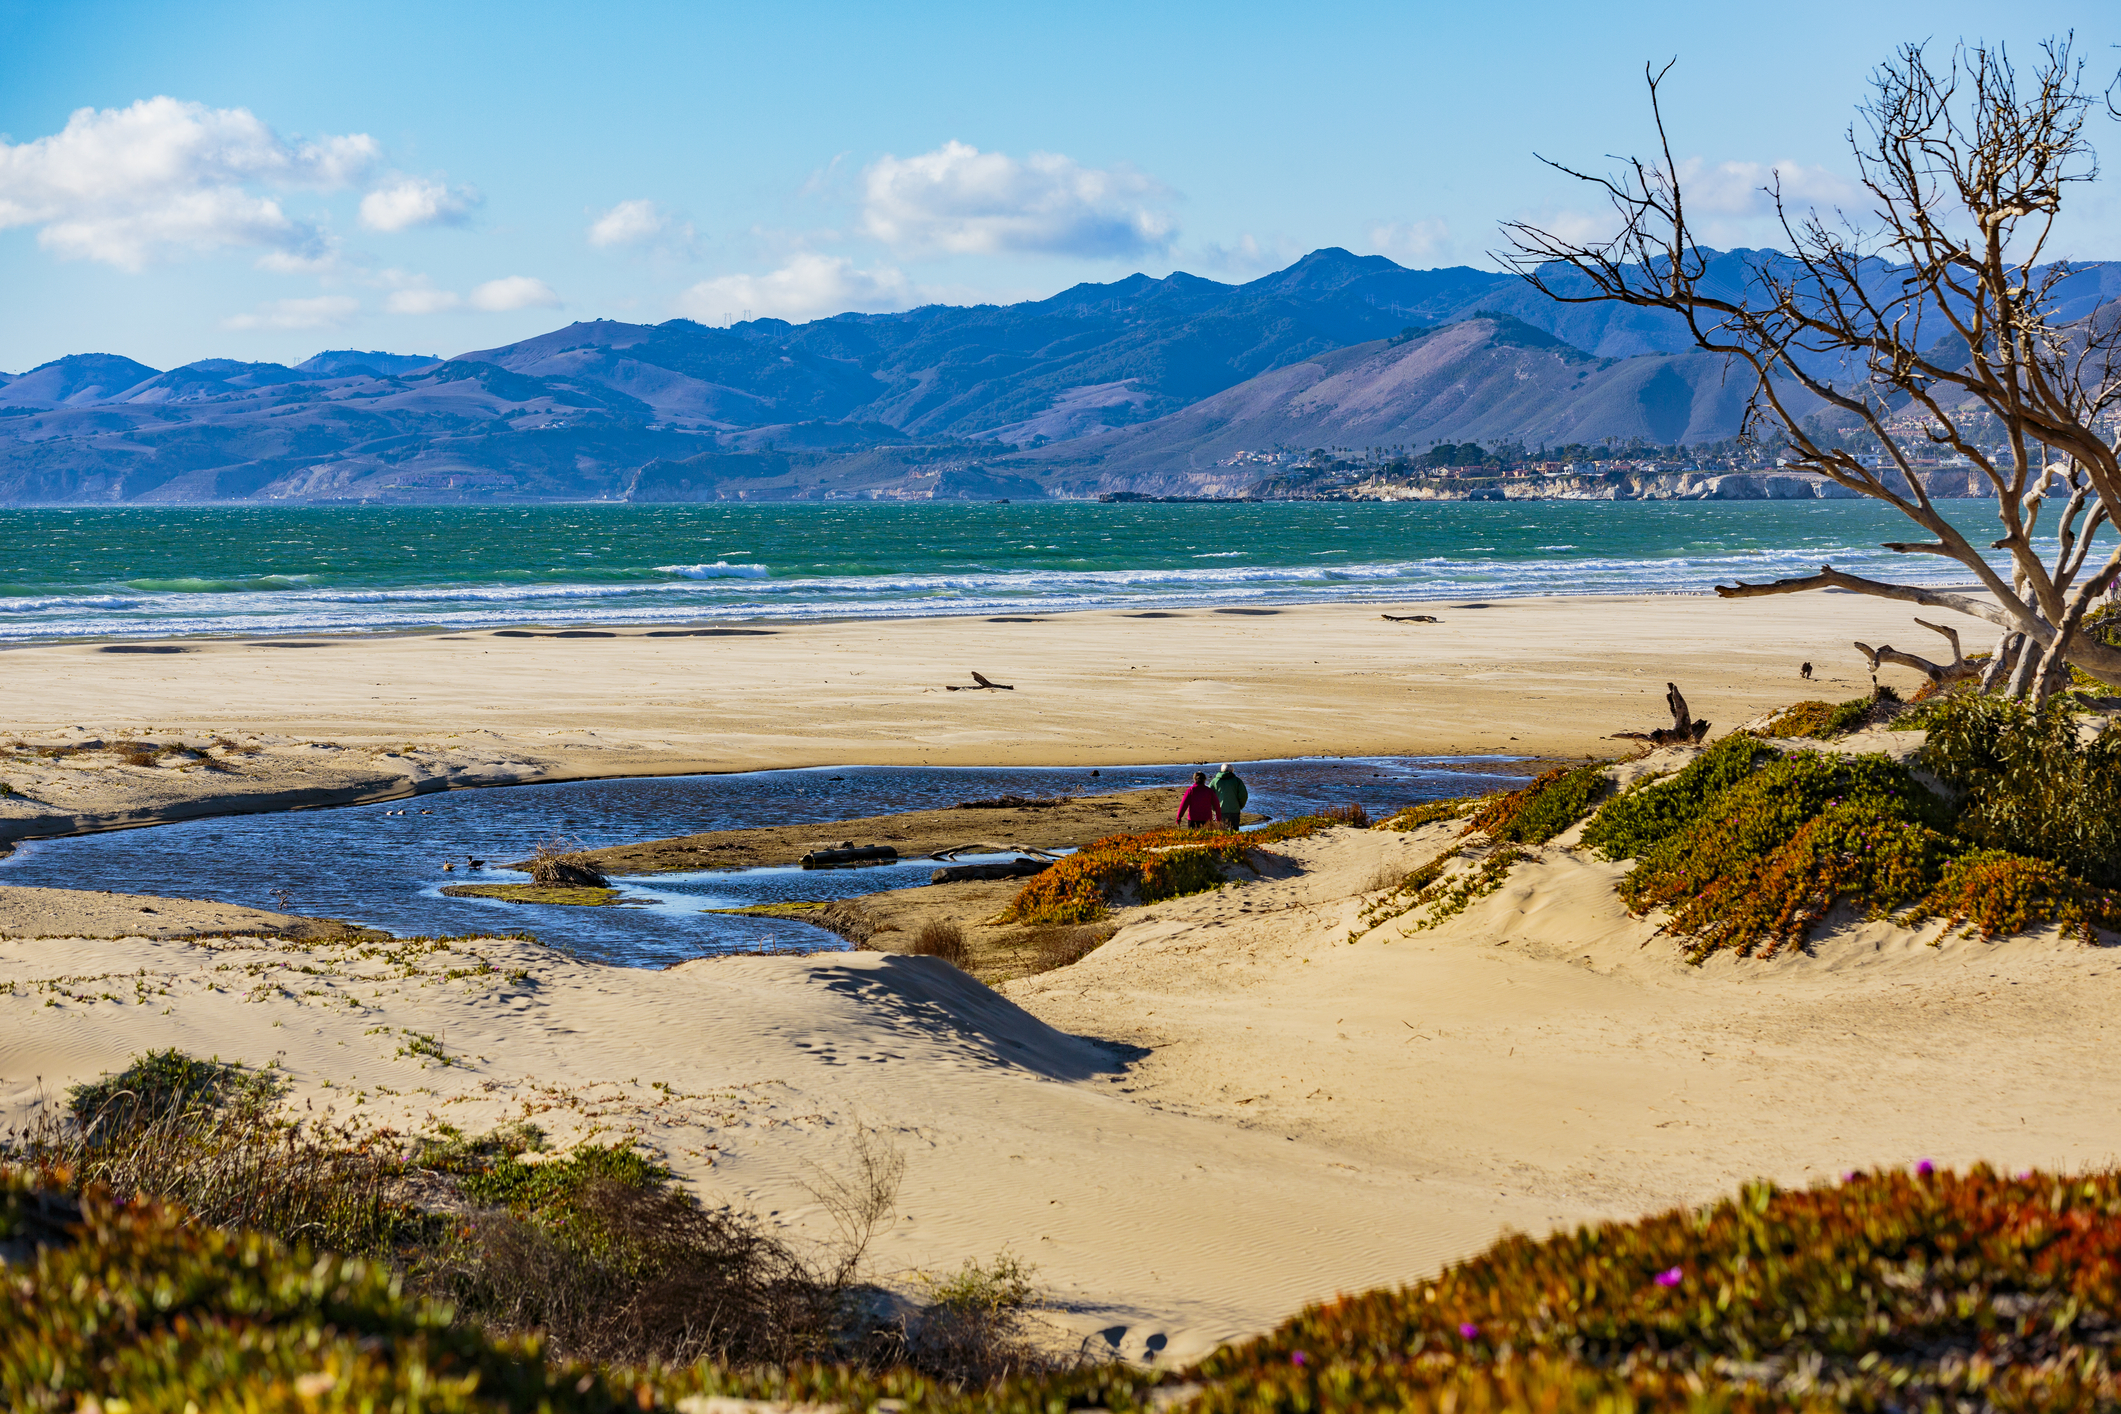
x=257 y=570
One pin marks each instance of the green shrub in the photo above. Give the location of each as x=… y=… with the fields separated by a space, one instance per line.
x=173 y=1314
x=1414 y=817
x=1159 y=865
x=1629 y=824
x=984 y=1288
x=162 y=1081
x=1888 y=1291
x=1998 y=894
x=1763 y=860
x=1893 y=1291
x=2031 y=784
x=550 y=1191
x=1821 y=719
x=1758 y=895
x=1543 y=809
x=206 y=1135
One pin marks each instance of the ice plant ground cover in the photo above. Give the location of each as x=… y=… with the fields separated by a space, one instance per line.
x=1898 y=1289
x=1749 y=847
x=1144 y=869
x=1905 y=1290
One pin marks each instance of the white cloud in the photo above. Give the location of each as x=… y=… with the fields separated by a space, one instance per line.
x=125 y=185
x=807 y=287
x=405 y=202
x=628 y=223
x=323 y=312
x=1413 y=242
x=960 y=200
x=422 y=301
x=1573 y=226
x=643 y=225
x=324 y=258
x=414 y=294
x=1741 y=188
x=512 y=292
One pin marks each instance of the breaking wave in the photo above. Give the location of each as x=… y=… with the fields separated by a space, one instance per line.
x=85 y=573
x=720 y=569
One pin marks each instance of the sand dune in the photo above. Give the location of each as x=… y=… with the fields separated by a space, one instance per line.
x=750 y=1076
x=1227 y=1110
x=1548 y=1043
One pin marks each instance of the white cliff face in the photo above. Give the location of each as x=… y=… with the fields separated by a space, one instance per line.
x=1947 y=484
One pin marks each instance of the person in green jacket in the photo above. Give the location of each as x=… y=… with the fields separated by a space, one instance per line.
x=1230 y=792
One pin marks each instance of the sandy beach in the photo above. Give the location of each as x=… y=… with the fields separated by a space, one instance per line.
x=1228 y=1109
x=336 y=721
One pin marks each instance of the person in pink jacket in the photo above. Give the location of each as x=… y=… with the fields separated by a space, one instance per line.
x=1199 y=805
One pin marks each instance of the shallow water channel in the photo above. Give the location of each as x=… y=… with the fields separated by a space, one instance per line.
x=367 y=865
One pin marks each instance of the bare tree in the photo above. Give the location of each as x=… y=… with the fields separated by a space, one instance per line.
x=1918 y=323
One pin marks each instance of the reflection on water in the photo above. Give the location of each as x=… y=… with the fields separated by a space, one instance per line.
x=373 y=866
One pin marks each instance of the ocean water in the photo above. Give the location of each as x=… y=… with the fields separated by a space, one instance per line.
x=371 y=864
x=135 y=571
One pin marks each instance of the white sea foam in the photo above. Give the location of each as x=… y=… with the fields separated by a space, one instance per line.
x=720 y=569
x=737 y=591
x=66 y=601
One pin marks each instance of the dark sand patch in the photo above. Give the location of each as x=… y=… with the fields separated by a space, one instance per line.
x=914 y=834
x=535 y=893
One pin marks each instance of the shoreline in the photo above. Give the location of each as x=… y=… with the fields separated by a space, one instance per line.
x=734 y=626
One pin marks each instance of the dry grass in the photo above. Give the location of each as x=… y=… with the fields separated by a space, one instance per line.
x=1351 y=814
x=972 y=1330
x=939 y=937
x=1388 y=876
x=636 y=1272
x=598 y=1251
x=561 y=864
x=1045 y=949
x=208 y=1136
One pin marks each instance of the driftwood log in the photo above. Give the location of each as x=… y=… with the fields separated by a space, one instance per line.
x=1684 y=730
x=983 y=686
x=1410 y=618
x=991 y=847
x=844 y=857
x=1956 y=670
x=1019 y=868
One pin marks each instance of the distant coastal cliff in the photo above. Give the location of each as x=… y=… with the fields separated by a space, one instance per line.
x=1947 y=483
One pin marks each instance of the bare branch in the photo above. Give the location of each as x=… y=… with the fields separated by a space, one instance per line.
x=1931 y=324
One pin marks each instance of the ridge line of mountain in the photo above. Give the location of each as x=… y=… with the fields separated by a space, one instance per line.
x=1145 y=385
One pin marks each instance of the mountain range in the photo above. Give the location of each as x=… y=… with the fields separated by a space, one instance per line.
x=1152 y=385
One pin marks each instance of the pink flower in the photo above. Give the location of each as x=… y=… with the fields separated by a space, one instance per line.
x=1297 y=1357
x=1925 y=1169
x=1469 y=1330
x=1672 y=1277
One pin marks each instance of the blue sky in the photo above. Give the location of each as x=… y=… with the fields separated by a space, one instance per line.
x=438 y=177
